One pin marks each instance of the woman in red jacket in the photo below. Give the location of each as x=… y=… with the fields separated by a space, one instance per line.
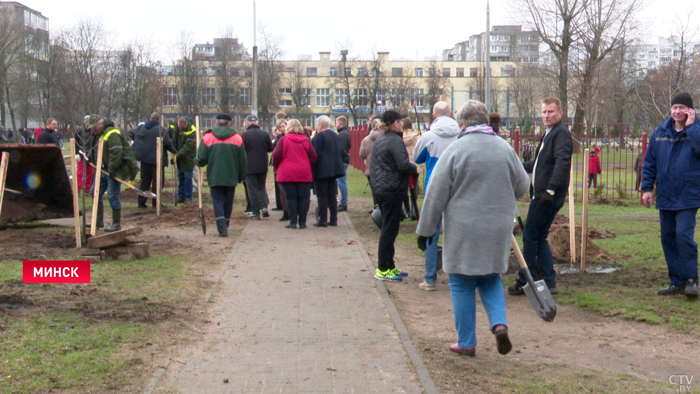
x=594 y=168
x=293 y=158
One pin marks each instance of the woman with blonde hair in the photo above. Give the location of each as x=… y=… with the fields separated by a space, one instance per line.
x=293 y=158
x=280 y=203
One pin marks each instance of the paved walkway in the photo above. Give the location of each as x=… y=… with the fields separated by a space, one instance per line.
x=297 y=311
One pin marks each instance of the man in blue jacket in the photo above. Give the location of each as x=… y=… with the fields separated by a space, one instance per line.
x=672 y=163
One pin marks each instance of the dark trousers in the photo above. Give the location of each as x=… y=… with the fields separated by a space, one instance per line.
x=278 y=198
x=222 y=199
x=298 y=195
x=326 y=195
x=374 y=196
x=148 y=181
x=593 y=180
x=390 y=205
x=536 y=251
x=248 y=205
x=680 y=248
x=256 y=191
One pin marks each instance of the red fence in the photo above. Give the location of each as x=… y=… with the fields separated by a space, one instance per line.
x=357 y=134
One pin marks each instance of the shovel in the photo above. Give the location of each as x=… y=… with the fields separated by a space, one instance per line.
x=537 y=292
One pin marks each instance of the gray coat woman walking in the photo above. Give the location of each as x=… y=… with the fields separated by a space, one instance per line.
x=475 y=184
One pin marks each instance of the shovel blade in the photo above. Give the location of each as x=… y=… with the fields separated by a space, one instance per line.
x=541 y=300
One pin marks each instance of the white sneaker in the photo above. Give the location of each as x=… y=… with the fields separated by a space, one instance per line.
x=427 y=286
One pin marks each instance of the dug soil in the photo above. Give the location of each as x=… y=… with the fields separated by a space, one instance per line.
x=577 y=351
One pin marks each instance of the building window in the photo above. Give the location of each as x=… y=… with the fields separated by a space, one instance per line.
x=208 y=97
x=507 y=72
x=304 y=120
x=418 y=97
x=381 y=96
x=375 y=72
x=474 y=72
x=361 y=97
x=170 y=97
x=431 y=72
x=419 y=72
x=397 y=72
x=284 y=90
x=304 y=97
x=333 y=72
x=362 y=120
x=341 y=97
x=285 y=103
x=445 y=72
x=310 y=71
x=208 y=122
x=245 y=97
x=348 y=72
x=323 y=97
x=460 y=72
x=361 y=72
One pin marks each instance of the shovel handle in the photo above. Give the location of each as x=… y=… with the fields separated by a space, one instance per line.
x=139 y=191
x=518 y=253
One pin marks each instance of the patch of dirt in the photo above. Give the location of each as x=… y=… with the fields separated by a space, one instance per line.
x=132 y=310
x=559 y=241
x=34 y=243
x=20 y=210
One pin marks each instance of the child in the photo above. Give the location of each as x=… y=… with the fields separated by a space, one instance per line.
x=594 y=168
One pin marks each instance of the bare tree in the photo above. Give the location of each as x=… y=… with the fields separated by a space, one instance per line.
x=400 y=86
x=347 y=87
x=11 y=47
x=139 y=83
x=188 y=70
x=229 y=76
x=301 y=91
x=438 y=84
x=269 y=74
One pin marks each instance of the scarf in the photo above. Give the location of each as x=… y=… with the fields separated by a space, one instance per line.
x=481 y=128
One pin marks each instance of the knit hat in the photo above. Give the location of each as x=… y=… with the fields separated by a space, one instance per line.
x=683 y=99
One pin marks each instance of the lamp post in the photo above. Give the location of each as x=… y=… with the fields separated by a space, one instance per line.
x=254 y=109
x=488 y=57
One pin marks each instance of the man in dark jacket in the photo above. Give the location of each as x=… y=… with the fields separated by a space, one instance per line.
x=341 y=124
x=550 y=183
x=49 y=135
x=389 y=170
x=329 y=166
x=258 y=144
x=672 y=164
x=144 y=149
x=184 y=139
x=221 y=150
x=83 y=144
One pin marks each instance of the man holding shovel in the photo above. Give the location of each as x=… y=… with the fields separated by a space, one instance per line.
x=550 y=182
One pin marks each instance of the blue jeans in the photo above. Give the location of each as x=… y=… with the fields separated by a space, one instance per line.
x=463 y=291
x=536 y=251
x=680 y=248
x=343 y=186
x=112 y=188
x=184 y=184
x=431 y=257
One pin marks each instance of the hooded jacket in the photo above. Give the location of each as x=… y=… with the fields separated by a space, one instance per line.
x=221 y=150
x=185 y=141
x=345 y=142
x=366 y=148
x=672 y=164
x=443 y=132
x=144 y=146
x=410 y=139
x=117 y=157
x=293 y=158
x=390 y=165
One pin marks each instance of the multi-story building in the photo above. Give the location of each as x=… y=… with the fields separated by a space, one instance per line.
x=508 y=44
x=650 y=56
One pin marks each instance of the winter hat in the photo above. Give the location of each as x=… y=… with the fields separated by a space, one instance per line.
x=596 y=149
x=683 y=99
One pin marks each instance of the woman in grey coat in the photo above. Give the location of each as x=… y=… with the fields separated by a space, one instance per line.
x=475 y=184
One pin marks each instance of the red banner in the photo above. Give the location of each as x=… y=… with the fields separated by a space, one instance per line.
x=56 y=271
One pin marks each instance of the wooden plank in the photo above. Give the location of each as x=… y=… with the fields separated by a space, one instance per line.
x=584 y=215
x=96 y=195
x=116 y=238
x=572 y=217
x=159 y=173
x=74 y=184
x=4 y=161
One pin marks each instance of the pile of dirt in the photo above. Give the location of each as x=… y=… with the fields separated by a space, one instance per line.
x=33 y=244
x=561 y=250
x=20 y=210
x=184 y=215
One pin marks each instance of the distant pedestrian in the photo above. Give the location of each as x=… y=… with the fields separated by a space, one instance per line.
x=184 y=138
x=474 y=186
x=410 y=201
x=280 y=203
x=594 y=168
x=293 y=158
x=257 y=145
x=345 y=141
x=671 y=165
x=329 y=166
x=222 y=152
x=366 y=153
x=49 y=135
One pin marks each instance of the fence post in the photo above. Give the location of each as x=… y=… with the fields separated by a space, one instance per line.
x=516 y=141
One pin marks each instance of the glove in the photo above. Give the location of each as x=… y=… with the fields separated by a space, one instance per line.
x=547 y=199
x=423 y=242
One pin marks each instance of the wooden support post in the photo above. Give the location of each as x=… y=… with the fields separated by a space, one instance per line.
x=572 y=217
x=4 y=162
x=96 y=195
x=198 y=133
x=74 y=184
x=584 y=215
x=159 y=173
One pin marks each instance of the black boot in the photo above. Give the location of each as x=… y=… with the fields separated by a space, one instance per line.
x=100 y=218
x=116 y=221
x=285 y=216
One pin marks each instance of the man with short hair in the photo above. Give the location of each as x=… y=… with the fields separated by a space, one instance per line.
x=671 y=164
x=345 y=141
x=329 y=166
x=184 y=139
x=49 y=135
x=550 y=182
x=258 y=144
x=144 y=149
x=222 y=152
x=443 y=132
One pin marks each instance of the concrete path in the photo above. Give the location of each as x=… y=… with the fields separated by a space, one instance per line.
x=297 y=311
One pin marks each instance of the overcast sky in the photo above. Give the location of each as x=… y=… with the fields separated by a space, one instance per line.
x=408 y=29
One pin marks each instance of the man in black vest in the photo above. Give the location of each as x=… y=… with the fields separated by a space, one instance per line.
x=258 y=144
x=550 y=182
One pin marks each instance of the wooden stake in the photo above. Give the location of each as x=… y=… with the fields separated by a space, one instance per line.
x=572 y=217
x=96 y=194
x=159 y=175
x=584 y=215
x=74 y=184
x=4 y=161
x=200 y=181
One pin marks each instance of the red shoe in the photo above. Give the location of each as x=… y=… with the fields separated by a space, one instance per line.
x=467 y=352
x=502 y=342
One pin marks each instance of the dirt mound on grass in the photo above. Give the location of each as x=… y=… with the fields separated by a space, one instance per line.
x=181 y=216
x=561 y=250
x=17 y=211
